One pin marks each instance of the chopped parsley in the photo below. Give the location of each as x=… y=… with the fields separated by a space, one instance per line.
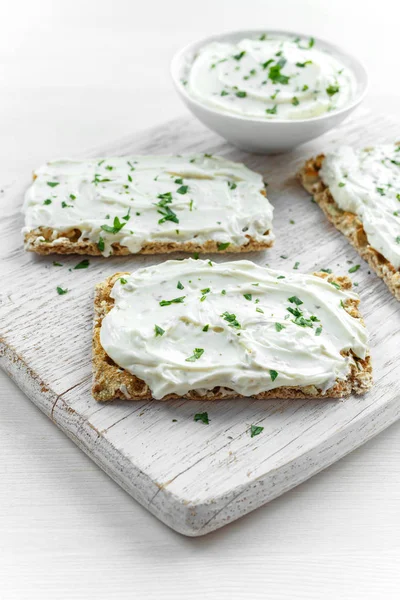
x=224 y=93
x=304 y=64
x=180 y=286
x=380 y=191
x=61 y=291
x=178 y=181
x=279 y=327
x=223 y=245
x=168 y=214
x=318 y=331
x=275 y=74
x=123 y=280
x=354 y=268
x=197 y=353
x=336 y=285
x=53 y=184
x=205 y=328
x=72 y=197
x=259 y=310
x=232 y=185
x=295 y=300
x=273 y=374
x=115 y=228
x=241 y=94
x=65 y=205
x=295 y=101
x=57 y=264
x=398 y=239
x=296 y=265
x=203 y=417
x=255 y=430
x=191 y=205
x=331 y=90
x=240 y=55
x=100 y=244
x=158 y=330
x=273 y=110
x=173 y=301
x=231 y=319
x=48 y=201
x=326 y=270
x=183 y=189
x=83 y=264
x=248 y=297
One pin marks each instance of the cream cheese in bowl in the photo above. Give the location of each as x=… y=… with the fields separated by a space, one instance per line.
x=268 y=91
x=272 y=77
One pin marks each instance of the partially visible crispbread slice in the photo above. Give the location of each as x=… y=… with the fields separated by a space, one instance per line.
x=347 y=223
x=111 y=382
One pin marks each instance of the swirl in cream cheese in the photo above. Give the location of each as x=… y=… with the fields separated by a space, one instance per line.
x=140 y=199
x=273 y=77
x=194 y=324
x=367 y=183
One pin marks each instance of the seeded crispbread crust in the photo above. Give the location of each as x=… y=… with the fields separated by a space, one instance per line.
x=68 y=243
x=348 y=223
x=111 y=382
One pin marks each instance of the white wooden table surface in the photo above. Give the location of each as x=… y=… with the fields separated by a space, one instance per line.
x=77 y=73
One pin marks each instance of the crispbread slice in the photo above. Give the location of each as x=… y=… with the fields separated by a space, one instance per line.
x=111 y=382
x=347 y=223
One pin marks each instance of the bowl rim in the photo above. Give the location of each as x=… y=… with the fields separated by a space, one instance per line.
x=361 y=74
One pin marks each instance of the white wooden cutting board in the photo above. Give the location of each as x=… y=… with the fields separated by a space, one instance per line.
x=194 y=477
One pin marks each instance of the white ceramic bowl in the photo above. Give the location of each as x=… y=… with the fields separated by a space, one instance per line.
x=259 y=135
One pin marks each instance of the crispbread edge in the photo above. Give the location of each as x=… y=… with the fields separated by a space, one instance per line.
x=348 y=224
x=111 y=382
x=34 y=242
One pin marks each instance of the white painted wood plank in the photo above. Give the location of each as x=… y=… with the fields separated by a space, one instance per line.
x=195 y=478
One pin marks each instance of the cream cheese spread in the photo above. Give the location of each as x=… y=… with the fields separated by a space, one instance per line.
x=367 y=183
x=139 y=199
x=273 y=77
x=195 y=324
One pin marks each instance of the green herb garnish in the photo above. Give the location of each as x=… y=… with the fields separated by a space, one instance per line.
x=223 y=246
x=173 y=301
x=255 y=430
x=295 y=300
x=272 y=111
x=61 y=291
x=273 y=374
x=231 y=319
x=180 y=286
x=248 y=297
x=197 y=353
x=331 y=90
x=354 y=268
x=279 y=327
x=53 y=184
x=100 y=244
x=203 y=417
x=83 y=264
x=183 y=189
x=159 y=330
x=117 y=226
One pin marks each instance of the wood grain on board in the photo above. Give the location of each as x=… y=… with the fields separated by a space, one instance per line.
x=195 y=478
